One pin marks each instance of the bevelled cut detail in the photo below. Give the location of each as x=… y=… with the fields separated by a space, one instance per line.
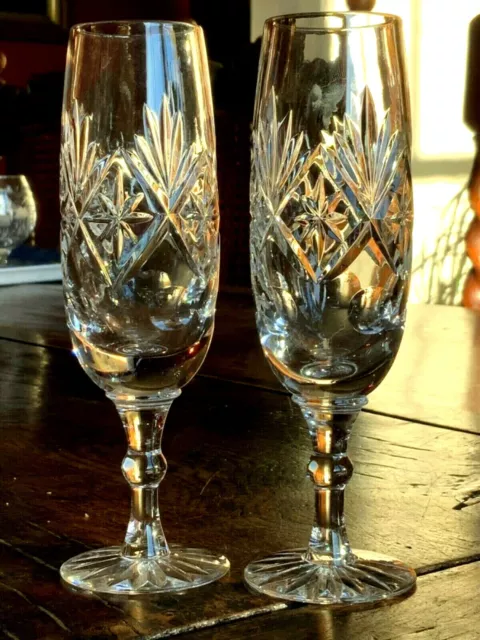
x=340 y=193
x=140 y=259
x=123 y=206
x=280 y=164
x=108 y=571
x=82 y=174
x=330 y=247
x=121 y=217
x=334 y=212
x=363 y=160
x=167 y=169
x=330 y=239
x=292 y=575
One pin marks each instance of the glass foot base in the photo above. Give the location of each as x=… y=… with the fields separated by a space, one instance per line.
x=369 y=578
x=107 y=571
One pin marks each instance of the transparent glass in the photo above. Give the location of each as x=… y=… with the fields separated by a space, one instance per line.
x=18 y=214
x=331 y=208
x=140 y=257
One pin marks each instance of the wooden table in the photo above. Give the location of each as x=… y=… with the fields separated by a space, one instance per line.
x=237 y=451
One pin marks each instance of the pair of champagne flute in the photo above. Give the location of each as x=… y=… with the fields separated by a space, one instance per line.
x=331 y=220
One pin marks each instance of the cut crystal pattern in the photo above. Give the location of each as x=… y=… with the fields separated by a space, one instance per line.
x=355 y=168
x=363 y=164
x=123 y=206
x=120 y=217
x=280 y=165
x=330 y=242
x=139 y=241
x=330 y=239
x=167 y=169
x=107 y=571
x=363 y=161
x=140 y=260
x=81 y=176
x=291 y=576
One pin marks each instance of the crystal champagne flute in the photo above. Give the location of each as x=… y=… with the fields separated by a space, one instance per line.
x=331 y=208
x=140 y=255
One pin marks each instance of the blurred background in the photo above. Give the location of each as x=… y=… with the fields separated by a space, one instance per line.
x=441 y=65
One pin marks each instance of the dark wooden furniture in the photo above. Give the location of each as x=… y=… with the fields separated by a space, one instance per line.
x=33 y=51
x=237 y=451
x=361 y=5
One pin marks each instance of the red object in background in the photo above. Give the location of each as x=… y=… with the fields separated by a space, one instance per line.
x=471 y=293
x=473 y=243
x=33 y=61
x=474 y=184
x=26 y=59
x=37 y=157
x=36 y=150
x=34 y=44
x=94 y=11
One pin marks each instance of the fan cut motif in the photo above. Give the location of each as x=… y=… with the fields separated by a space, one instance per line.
x=280 y=165
x=82 y=174
x=167 y=168
x=329 y=203
x=363 y=160
x=123 y=206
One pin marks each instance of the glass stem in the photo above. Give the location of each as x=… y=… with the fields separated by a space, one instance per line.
x=144 y=467
x=330 y=469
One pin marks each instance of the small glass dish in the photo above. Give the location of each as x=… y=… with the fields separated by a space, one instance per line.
x=18 y=214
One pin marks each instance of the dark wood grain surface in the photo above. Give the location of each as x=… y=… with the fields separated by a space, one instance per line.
x=237 y=451
x=442 y=608
x=435 y=378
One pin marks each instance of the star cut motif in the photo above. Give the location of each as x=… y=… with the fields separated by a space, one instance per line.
x=121 y=214
x=168 y=172
x=319 y=226
x=363 y=163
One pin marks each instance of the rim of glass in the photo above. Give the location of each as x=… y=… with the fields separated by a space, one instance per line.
x=285 y=21
x=89 y=28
